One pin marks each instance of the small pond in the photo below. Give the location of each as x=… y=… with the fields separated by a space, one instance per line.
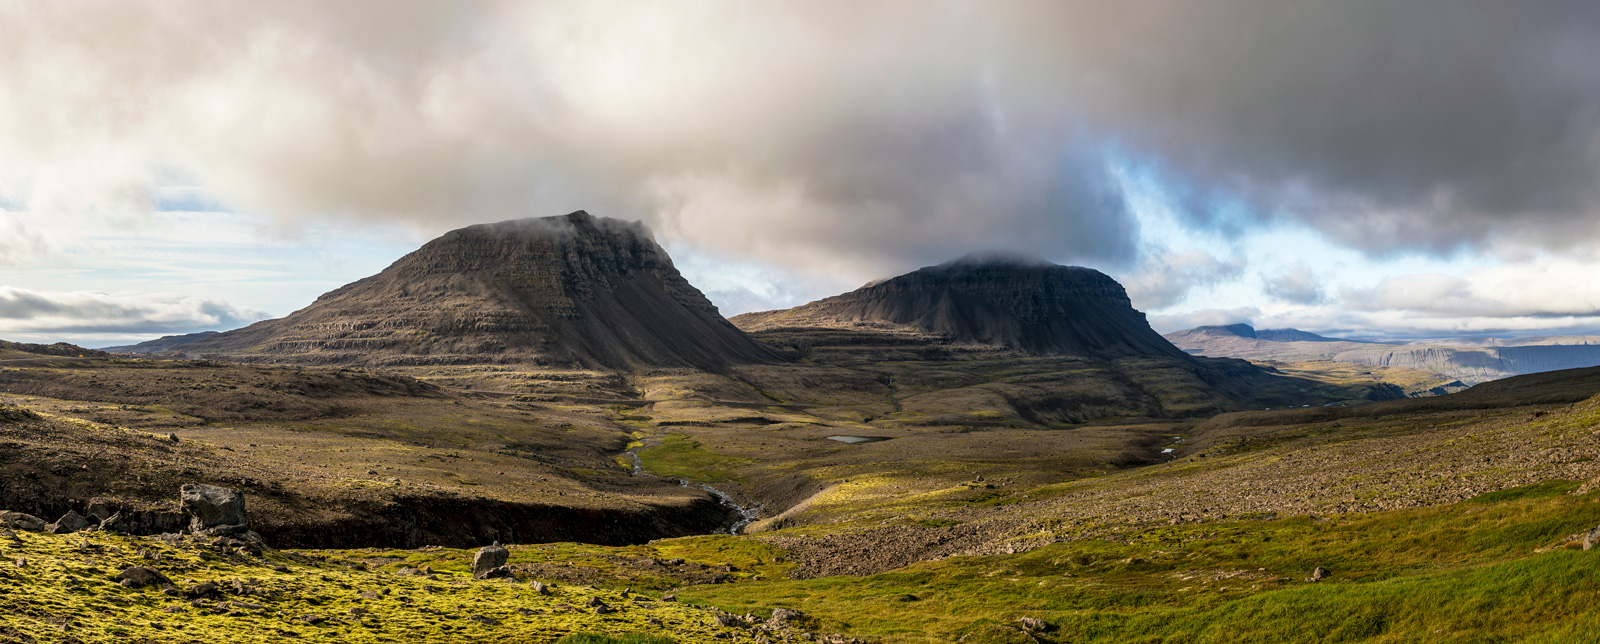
x=859 y=439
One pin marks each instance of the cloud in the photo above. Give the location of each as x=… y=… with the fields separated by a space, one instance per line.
x=35 y=313
x=18 y=243
x=1165 y=279
x=1300 y=285
x=867 y=138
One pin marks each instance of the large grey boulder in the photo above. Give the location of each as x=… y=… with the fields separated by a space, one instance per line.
x=20 y=521
x=69 y=523
x=488 y=560
x=216 y=510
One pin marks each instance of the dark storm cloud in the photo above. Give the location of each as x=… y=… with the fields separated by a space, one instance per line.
x=843 y=136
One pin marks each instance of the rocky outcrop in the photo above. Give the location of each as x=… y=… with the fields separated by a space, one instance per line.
x=574 y=290
x=1028 y=305
x=216 y=511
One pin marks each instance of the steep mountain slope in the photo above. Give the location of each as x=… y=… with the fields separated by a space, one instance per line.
x=1468 y=360
x=573 y=290
x=1028 y=305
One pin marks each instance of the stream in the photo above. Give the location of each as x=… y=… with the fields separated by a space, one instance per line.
x=746 y=514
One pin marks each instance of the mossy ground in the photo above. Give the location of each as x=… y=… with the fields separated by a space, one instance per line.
x=59 y=588
x=1498 y=568
x=1493 y=569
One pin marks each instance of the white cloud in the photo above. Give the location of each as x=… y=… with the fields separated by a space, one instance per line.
x=28 y=314
x=1300 y=285
x=1164 y=279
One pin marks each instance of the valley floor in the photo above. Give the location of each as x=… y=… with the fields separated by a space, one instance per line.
x=1459 y=518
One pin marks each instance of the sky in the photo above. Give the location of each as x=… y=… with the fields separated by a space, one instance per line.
x=1366 y=168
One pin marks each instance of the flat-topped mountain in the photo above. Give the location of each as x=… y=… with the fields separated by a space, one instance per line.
x=1201 y=333
x=1025 y=304
x=573 y=290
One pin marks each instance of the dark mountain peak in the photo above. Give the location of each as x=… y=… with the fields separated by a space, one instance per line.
x=570 y=290
x=1023 y=303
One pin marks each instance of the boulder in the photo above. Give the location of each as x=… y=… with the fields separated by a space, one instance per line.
x=69 y=523
x=141 y=576
x=487 y=559
x=216 y=510
x=1591 y=539
x=782 y=617
x=1032 y=625
x=20 y=521
x=1320 y=574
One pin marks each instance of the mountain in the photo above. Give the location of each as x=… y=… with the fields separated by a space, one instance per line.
x=1028 y=305
x=574 y=290
x=1469 y=360
x=26 y=351
x=163 y=344
x=1247 y=331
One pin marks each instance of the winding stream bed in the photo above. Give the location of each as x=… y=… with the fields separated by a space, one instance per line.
x=746 y=514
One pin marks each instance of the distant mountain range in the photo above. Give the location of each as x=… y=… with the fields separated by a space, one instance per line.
x=1470 y=361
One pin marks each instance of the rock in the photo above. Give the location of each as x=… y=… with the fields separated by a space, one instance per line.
x=113 y=523
x=69 y=523
x=594 y=602
x=20 y=521
x=487 y=621
x=1032 y=624
x=540 y=587
x=503 y=572
x=1591 y=539
x=1320 y=574
x=358 y=611
x=487 y=559
x=216 y=510
x=141 y=576
x=204 y=590
x=782 y=617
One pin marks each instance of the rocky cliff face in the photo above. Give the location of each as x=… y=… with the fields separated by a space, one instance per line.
x=574 y=290
x=1028 y=305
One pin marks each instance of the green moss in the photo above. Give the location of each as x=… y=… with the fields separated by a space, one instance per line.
x=630 y=638
x=681 y=456
x=60 y=588
x=1480 y=570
